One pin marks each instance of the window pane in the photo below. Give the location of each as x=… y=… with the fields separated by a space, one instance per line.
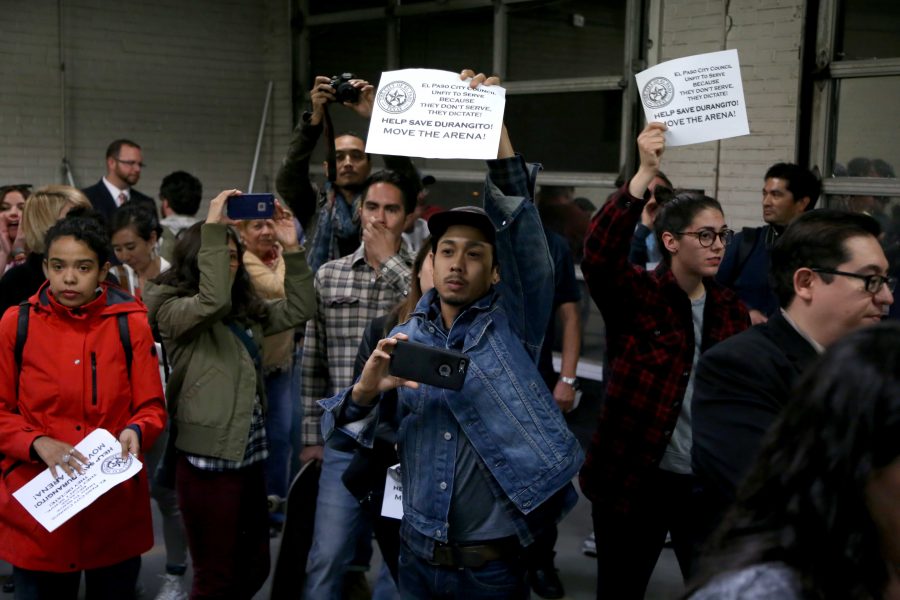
x=869 y=30
x=576 y=131
x=451 y=41
x=885 y=209
x=865 y=146
x=331 y=55
x=568 y=38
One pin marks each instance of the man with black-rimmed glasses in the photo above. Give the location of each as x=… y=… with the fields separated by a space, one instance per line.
x=124 y=161
x=830 y=276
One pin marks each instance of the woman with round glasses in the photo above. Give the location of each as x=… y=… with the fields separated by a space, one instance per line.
x=638 y=470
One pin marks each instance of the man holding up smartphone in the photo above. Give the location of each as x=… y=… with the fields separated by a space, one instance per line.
x=488 y=468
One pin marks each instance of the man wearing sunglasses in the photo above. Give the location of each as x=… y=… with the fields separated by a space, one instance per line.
x=830 y=276
x=789 y=191
x=124 y=162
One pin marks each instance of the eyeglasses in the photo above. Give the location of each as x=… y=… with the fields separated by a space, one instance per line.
x=660 y=193
x=874 y=283
x=130 y=163
x=707 y=237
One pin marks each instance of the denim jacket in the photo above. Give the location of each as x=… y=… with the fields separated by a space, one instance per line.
x=504 y=409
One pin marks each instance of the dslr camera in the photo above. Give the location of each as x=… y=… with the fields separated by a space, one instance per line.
x=343 y=90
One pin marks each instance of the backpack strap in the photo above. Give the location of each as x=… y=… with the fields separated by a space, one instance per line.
x=21 y=336
x=22 y=331
x=125 y=337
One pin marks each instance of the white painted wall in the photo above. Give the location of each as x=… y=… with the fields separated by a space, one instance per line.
x=185 y=80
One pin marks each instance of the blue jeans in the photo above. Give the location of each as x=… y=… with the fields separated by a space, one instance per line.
x=105 y=583
x=340 y=524
x=279 y=417
x=496 y=580
x=342 y=533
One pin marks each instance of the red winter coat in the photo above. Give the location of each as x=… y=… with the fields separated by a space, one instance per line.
x=62 y=396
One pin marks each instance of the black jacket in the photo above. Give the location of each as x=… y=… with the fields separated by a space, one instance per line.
x=103 y=202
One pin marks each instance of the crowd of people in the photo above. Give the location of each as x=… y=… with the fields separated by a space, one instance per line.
x=751 y=409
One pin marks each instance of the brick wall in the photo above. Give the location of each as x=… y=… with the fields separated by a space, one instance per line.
x=186 y=80
x=768 y=36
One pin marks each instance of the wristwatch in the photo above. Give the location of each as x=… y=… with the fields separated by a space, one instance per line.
x=570 y=380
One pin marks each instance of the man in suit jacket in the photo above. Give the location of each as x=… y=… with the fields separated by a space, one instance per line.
x=123 y=170
x=830 y=275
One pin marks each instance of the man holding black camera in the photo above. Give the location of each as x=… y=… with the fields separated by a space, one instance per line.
x=337 y=227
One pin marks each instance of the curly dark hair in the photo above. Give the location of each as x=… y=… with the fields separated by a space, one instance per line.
x=184 y=275
x=85 y=226
x=804 y=503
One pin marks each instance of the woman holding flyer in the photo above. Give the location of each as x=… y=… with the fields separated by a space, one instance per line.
x=78 y=357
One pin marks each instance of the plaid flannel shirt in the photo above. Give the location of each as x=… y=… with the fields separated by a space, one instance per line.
x=349 y=294
x=650 y=345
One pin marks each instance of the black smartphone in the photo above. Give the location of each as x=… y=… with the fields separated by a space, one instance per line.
x=429 y=365
x=251 y=206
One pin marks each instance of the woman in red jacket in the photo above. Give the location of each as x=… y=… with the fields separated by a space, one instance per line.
x=73 y=377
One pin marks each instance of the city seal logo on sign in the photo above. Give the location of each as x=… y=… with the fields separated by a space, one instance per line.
x=115 y=464
x=658 y=92
x=396 y=97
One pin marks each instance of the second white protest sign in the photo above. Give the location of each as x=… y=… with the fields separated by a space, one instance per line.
x=700 y=98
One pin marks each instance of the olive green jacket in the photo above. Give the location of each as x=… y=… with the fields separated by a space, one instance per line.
x=214 y=382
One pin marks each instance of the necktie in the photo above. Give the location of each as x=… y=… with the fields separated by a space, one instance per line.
x=121 y=199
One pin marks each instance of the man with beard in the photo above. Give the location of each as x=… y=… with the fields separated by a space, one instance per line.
x=124 y=162
x=334 y=207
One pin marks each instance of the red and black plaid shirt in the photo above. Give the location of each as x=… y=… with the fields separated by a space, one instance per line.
x=650 y=345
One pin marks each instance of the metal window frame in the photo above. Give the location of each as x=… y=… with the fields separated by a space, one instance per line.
x=828 y=75
x=394 y=9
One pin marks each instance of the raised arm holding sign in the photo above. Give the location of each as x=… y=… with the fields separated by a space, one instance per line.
x=700 y=98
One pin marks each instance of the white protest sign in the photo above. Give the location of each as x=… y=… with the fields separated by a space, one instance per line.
x=52 y=502
x=434 y=114
x=392 y=503
x=700 y=98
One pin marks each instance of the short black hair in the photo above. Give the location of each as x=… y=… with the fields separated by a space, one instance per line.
x=138 y=215
x=408 y=187
x=112 y=151
x=678 y=213
x=85 y=226
x=801 y=182
x=182 y=191
x=351 y=133
x=815 y=239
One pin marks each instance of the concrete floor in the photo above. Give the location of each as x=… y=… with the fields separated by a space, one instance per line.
x=577 y=571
